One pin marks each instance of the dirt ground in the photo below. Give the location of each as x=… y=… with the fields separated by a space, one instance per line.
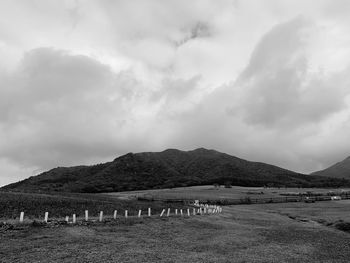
x=242 y=233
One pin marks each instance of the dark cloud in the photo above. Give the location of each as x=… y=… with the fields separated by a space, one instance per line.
x=199 y=30
x=62 y=108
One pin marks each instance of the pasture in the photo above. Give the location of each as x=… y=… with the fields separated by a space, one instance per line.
x=271 y=232
x=291 y=232
x=59 y=205
x=212 y=193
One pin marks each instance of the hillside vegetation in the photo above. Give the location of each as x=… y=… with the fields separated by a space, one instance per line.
x=338 y=170
x=168 y=169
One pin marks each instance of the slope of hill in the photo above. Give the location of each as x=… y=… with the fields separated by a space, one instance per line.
x=167 y=169
x=338 y=170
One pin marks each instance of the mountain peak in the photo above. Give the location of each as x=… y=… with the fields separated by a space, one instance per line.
x=171 y=150
x=167 y=169
x=203 y=150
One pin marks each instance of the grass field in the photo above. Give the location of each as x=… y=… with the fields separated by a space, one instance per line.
x=209 y=192
x=327 y=213
x=59 y=205
x=245 y=233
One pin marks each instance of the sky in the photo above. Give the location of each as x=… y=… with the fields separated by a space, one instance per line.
x=83 y=82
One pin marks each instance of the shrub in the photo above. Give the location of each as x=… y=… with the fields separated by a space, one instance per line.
x=343 y=226
x=228 y=185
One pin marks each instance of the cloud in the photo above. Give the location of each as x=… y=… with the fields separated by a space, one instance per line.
x=280 y=110
x=85 y=81
x=62 y=108
x=278 y=87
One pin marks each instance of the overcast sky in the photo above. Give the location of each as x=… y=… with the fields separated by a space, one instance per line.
x=83 y=82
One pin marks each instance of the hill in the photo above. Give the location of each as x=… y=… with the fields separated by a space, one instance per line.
x=338 y=170
x=168 y=169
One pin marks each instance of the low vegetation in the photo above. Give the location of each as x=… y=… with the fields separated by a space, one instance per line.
x=249 y=233
x=169 y=169
x=220 y=195
x=35 y=205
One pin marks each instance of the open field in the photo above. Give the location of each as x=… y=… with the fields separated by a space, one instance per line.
x=209 y=192
x=61 y=204
x=289 y=232
x=327 y=213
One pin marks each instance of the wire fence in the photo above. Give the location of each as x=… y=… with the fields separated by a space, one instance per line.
x=253 y=200
x=101 y=217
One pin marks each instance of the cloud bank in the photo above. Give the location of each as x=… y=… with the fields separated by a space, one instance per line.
x=82 y=82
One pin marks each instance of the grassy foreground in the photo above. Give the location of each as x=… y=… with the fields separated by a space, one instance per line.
x=60 y=205
x=246 y=233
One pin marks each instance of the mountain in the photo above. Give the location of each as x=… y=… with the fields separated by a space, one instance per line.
x=167 y=169
x=338 y=170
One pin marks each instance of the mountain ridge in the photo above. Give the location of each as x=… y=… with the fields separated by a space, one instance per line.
x=338 y=170
x=167 y=169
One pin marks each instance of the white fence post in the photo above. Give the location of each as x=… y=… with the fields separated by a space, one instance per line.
x=188 y=212
x=181 y=212
x=67 y=219
x=21 y=217
x=126 y=213
x=139 y=215
x=101 y=216
x=149 y=211
x=46 y=217
x=74 y=219
x=194 y=211
x=115 y=214
x=86 y=215
x=163 y=211
x=176 y=212
x=168 y=213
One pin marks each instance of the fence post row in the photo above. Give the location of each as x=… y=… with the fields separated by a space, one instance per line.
x=209 y=210
x=21 y=217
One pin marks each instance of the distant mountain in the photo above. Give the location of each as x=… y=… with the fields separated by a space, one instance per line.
x=338 y=170
x=167 y=169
